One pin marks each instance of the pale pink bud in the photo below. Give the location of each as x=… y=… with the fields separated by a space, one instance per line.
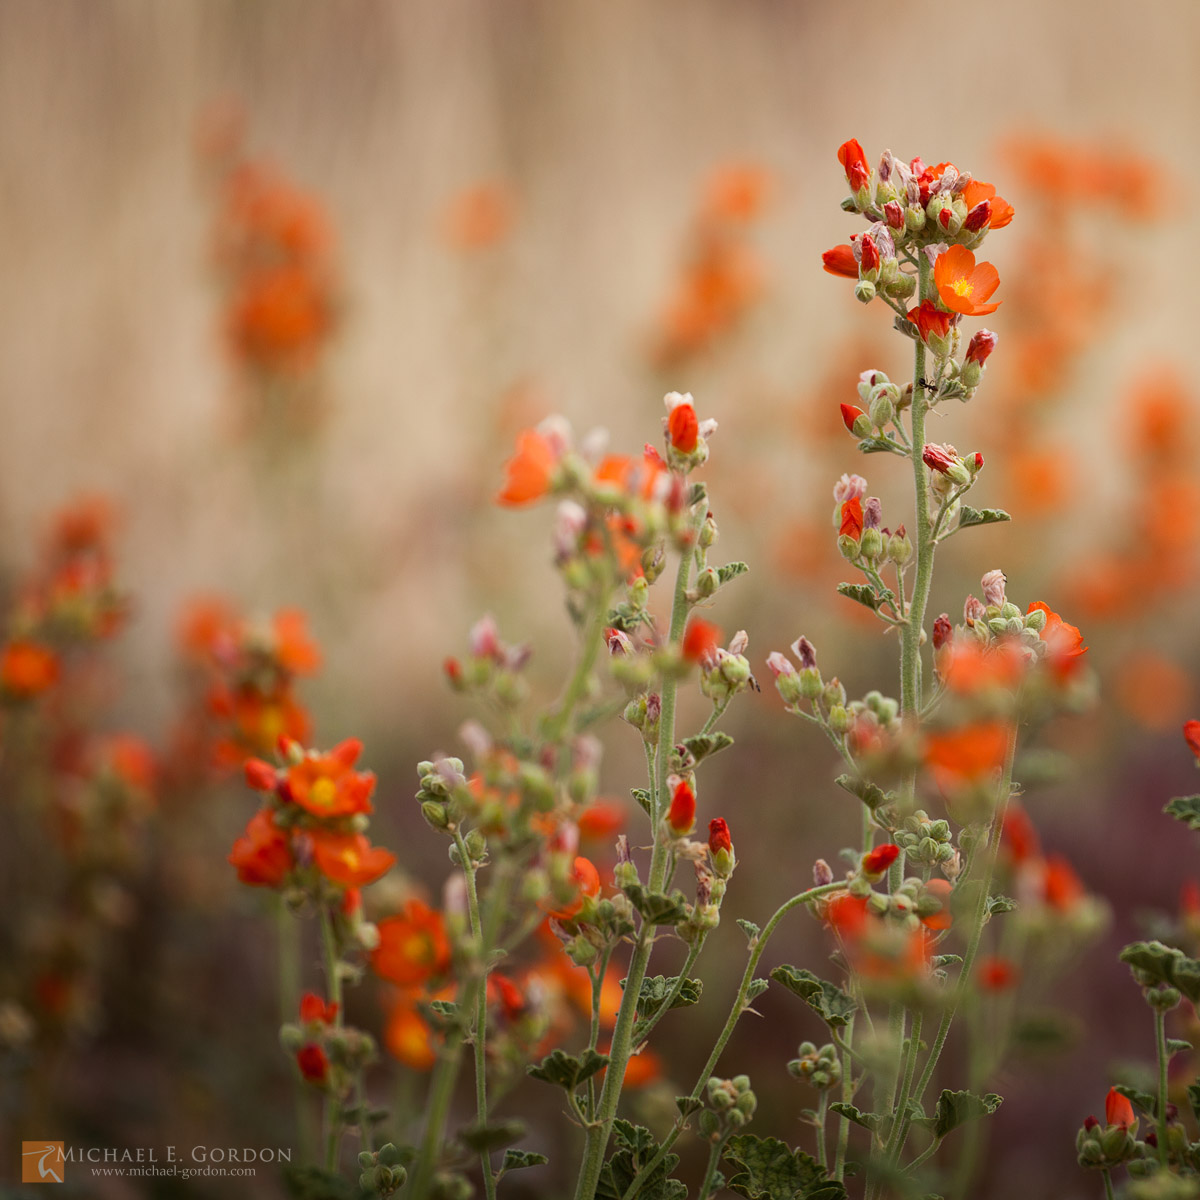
x=484 y=638
x=974 y=610
x=848 y=487
x=822 y=873
x=618 y=642
x=993 y=588
x=739 y=642
x=805 y=652
x=476 y=738
x=780 y=664
x=872 y=513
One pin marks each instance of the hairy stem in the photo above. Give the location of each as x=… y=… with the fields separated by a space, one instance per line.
x=1160 y=1042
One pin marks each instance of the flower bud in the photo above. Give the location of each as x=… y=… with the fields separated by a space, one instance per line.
x=720 y=848
x=893 y=214
x=914 y=218
x=681 y=816
x=864 y=291
x=978 y=217
x=875 y=862
x=855 y=420
x=822 y=873
x=981 y=345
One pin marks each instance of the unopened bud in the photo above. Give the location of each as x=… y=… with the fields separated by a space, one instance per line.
x=822 y=873
x=864 y=291
x=993 y=588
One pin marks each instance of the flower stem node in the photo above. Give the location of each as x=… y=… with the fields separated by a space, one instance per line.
x=1163 y=999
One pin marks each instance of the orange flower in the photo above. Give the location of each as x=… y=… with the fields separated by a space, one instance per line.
x=1019 y=835
x=602 y=819
x=530 y=470
x=969 y=754
x=940 y=889
x=263 y=854
x=1061 y=887
x=977 y=191
x=295 y=649
x=854 y=163
x=964 y=287
x=929 y=319
x=852 y=519
x=314 y=1010
x=327 y=786
x=737 y=193
x=1063 y=642
x=840 y=261
x=349 y=859
x=280 y=317
x=413 y=947
x=681 y=816
x=1118 y=1110
x=313 y=1063
x=683 y=428
x=28 y=668
x=479 y=217
x=587 y=883
x=997 y=974
x=970 y=667
x=409 y=1038
x=700 y=641
x=1191 y=735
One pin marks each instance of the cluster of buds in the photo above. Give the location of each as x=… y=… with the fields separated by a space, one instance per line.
x=921 y=205
x=70 y=600
x=862 y=537
x=328 y=1055
x=883 y=399
x=819 y=1067
x=615 y=512
x=1109 y=1145
x=950 y=472
x=382 y=1171
x=246 y=674
x=493 y=668
x=926 y=842
x=731 y=1104
x=725 y=671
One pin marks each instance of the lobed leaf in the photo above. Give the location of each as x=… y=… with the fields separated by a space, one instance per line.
x=1185 y=809
x=731 y=571
x=980 y=516
x=833 y=1005
x=769 y=1169
x=514 y=1160
x=701 y=745
x=871 y=794
x=565 y=1071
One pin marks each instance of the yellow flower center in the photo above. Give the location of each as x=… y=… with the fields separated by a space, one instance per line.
x=323 y=793
x=962 y=287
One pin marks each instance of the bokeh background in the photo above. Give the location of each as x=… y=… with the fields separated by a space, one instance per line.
x=520 y=198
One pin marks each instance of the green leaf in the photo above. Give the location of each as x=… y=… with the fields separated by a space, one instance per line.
x=1178 y=1045
x=642 y=796
x=980 y=516
x=748 y=928
x=946 y=960
x=731 y=571
x=634 y=1147
x=878 y=445
x=769 y=1169
x=565 y=1071
x=491 y=1137
x=656 y=990
x=861 y=593
x=1193 y=1095
x=688 y=1105
x=657 y=908
x=834 y=1006
x=1185 y=809
x=756 y=989
x=1045 y=1031
x=514 y=1160
x=703 y=744
x=1000 y=904
x=313 y=1183
x=871 y=794
x=1139 y=1099
x=1154 y=962
x=957 y=1108
x=866 y=1120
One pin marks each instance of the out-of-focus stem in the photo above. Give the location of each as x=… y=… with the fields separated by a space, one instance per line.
x=740 y=1003
x=614 y=1077
x=333 y=1118
x=1160 y=1041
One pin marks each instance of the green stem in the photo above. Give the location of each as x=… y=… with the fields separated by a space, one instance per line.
x=333 y=1115
x=1108 y=1187
x=600 y=1129
x=978 y=921
x=479 y=1028
x=714 y=1157
x=822 y=1107
x=594 y=1030
x=910 y=1069
x=843 y=1137
x=910 y=652
x=740 y=1004
x=1160 y=1041
x=578 y=685
x=684 y=971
